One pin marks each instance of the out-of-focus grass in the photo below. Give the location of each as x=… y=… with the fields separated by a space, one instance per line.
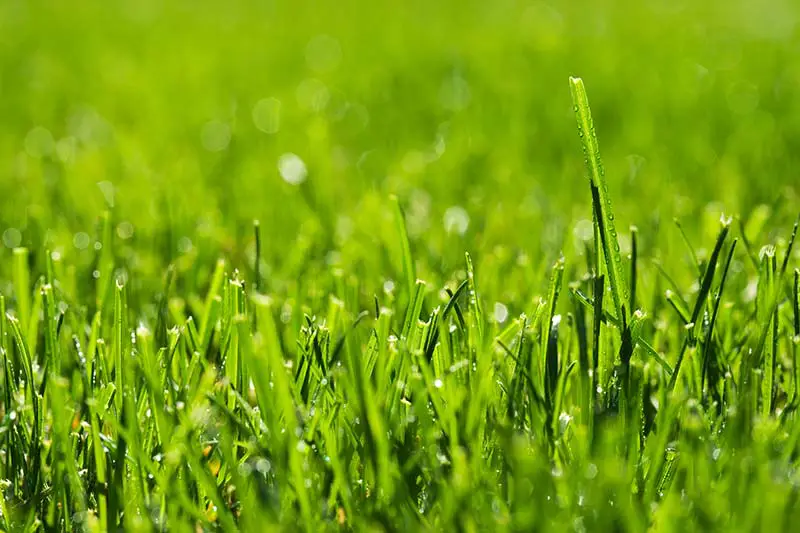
x=445 y=104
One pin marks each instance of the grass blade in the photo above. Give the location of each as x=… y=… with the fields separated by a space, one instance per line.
x=409 y=272
x=601 y=201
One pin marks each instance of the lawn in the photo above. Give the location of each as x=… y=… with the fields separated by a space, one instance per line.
x=379 y=266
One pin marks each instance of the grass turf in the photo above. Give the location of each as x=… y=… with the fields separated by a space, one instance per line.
x=170 y=365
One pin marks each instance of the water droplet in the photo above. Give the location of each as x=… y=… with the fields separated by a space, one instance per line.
x=81 y=240
x=12 y=238
x=500 y=312
x=263 y=466
x=456 y=220
x=292 y=169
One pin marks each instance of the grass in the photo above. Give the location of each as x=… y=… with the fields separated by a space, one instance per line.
x=354 y=278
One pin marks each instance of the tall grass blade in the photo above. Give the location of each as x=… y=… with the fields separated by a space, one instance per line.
x=407 y=262
x=22 y=286
x=601 y=201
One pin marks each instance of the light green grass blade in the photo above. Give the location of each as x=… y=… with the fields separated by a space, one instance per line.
x=22 y=286
x=600 y=197
x=401 y=236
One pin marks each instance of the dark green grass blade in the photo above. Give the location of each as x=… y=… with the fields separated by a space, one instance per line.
x=551 y=372
x=549 y=348
x=789 y=247
x=709 y=339
x=33 y=478
x=700 y=302
x=634 y=266
x=584 y=366
x=707 y=280
x=257 y=260
x=599 y=293
x=433 y=340
x=796 y=301
x=796 y=339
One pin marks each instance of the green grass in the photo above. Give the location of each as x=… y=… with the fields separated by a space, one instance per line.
x=269 y=266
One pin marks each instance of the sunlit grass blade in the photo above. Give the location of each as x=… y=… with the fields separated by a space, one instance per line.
x=414 y=309
x=276 y=400
x=476 y=320
x=22 y=286
x=767 y=307
x=767 y=316
x=105 y=264
x=601 y=201
x=401 y=238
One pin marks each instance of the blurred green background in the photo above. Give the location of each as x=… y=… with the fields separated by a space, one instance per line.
x=187 y=120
